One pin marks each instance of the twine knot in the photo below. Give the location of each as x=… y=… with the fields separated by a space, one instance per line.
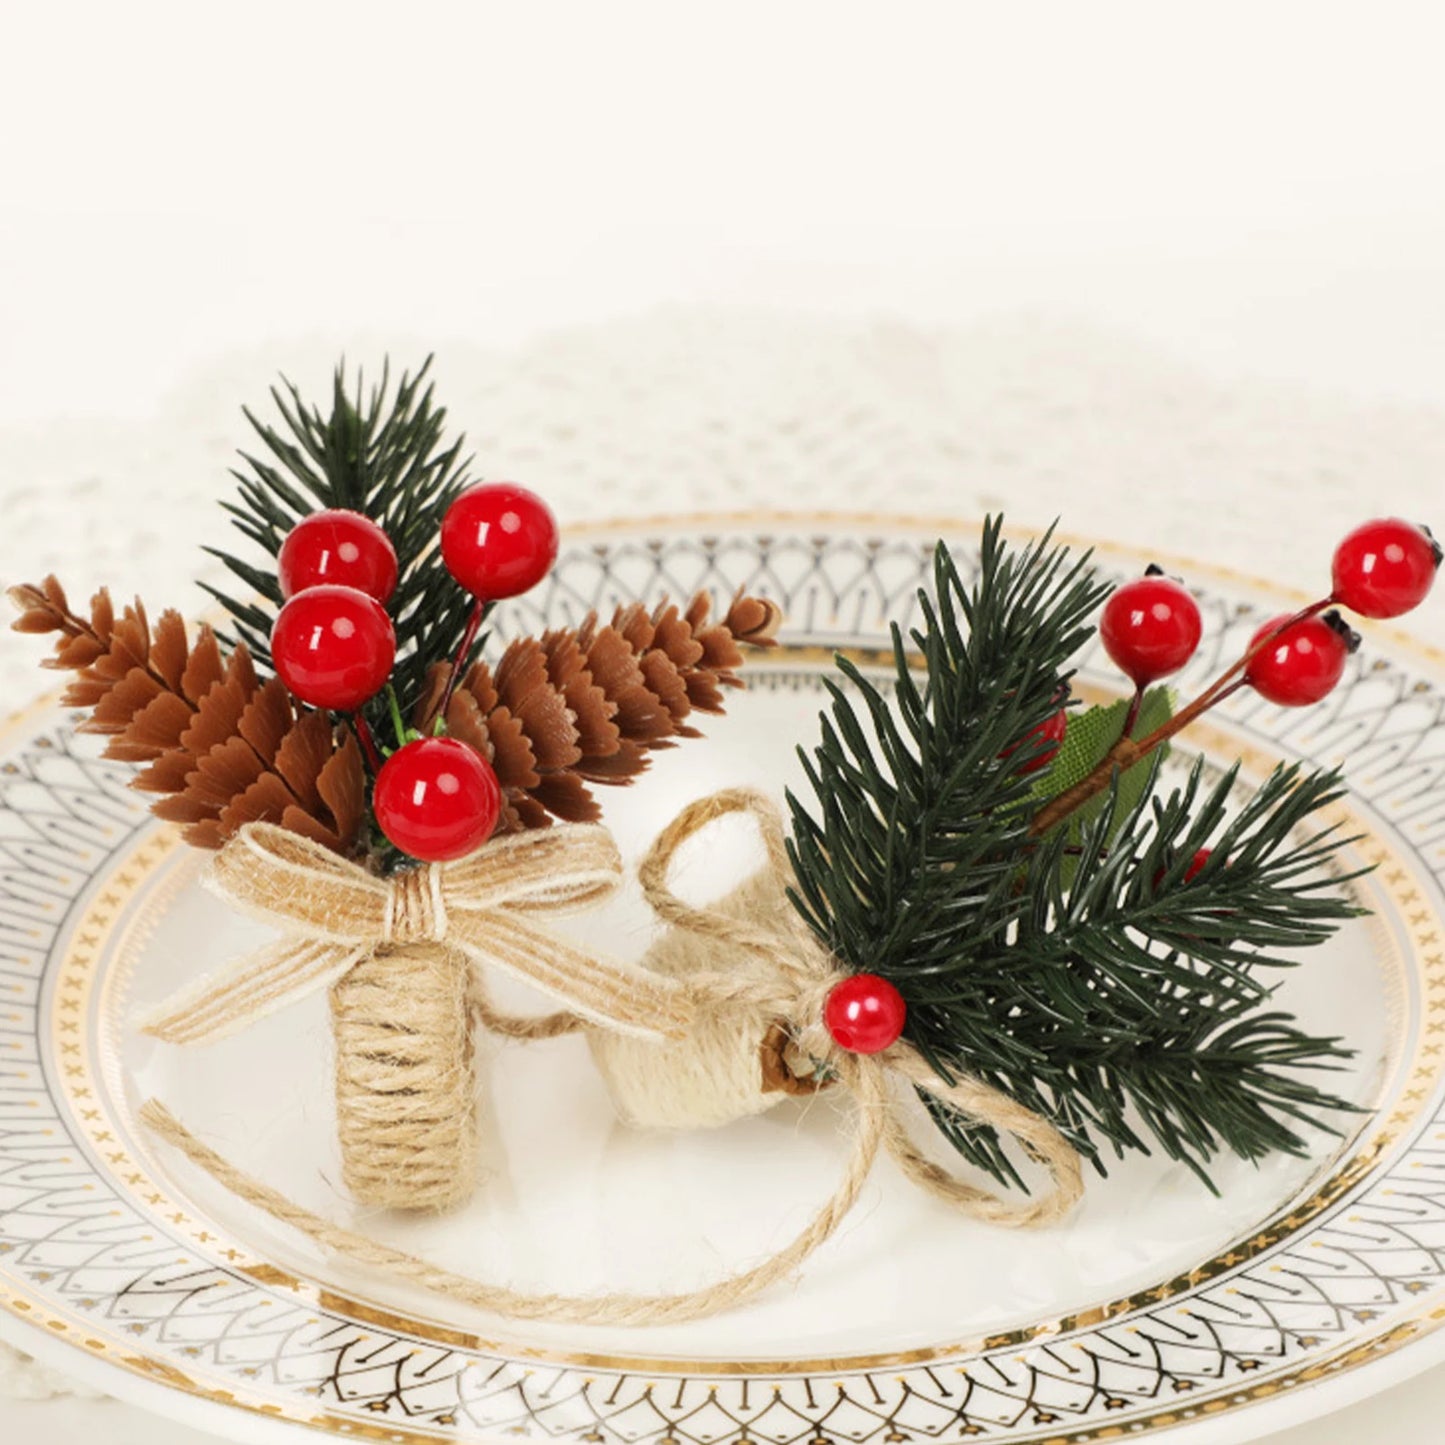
x=416 y=911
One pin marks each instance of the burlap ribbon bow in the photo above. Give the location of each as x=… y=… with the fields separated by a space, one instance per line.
x=488 y=906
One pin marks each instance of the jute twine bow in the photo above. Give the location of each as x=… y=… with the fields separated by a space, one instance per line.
x=788 y=974
x=487 y=906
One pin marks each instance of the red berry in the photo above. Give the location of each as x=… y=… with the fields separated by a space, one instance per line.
x=1052 y=731
x=864 y=1013
x=1196 y=866
x=333 y=647
x=1304 y=662
x=1385 y=567
x=436 y=799
x=499 y=540
x=1150 y=627
x=338 y=547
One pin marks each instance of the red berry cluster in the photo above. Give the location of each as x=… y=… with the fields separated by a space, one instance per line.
x=333 y=645
x=1151 y=627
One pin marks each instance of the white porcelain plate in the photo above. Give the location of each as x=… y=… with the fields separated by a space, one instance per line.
x=1158 y=1307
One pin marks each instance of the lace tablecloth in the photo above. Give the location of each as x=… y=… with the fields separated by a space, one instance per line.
x=690 y=412
x=722 y=412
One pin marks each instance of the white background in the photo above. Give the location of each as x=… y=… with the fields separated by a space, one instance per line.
x=1258 y=188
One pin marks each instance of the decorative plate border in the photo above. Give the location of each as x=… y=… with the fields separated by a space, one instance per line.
x=1115 y=1384
x=145 y=888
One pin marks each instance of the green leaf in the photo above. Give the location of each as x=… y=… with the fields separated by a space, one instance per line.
x=1086 y=743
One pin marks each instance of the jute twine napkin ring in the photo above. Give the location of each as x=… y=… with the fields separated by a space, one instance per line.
x=402 y=958
x=780 y=972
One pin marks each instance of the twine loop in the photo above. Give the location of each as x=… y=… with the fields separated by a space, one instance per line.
x=778 y=969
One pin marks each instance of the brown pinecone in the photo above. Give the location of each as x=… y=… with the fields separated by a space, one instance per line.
x=221 y=747
x=587 y=705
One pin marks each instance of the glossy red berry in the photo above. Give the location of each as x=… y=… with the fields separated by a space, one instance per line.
x=1150 y=627
x=437 y=799
x=340 y=547
x=1304 y=662
x=1051 y=731
x=333 y=647
x=499 y=540
x=1385 y=567
x=864 y=1013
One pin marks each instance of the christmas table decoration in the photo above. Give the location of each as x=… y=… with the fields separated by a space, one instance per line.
x=1017 y=927
x=347 y=845
x=988 y=902
x=987 y=896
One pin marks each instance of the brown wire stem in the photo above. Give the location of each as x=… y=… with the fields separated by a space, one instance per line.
x=474 y=624
x=1132 y=716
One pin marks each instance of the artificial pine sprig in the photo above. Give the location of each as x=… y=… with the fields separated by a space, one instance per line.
x=381 y=561
x=1097 y=972
x=1140 y=986
x=383 y=454
x=920 y=810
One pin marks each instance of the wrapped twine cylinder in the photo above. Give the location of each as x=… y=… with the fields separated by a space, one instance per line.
x=406 y=1079
x=736 y=1060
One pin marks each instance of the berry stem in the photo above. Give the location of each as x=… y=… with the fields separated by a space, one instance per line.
x=1132 y=716
x=1127 y=751
x=368 y=741
x=474 y=625
x=398 y=723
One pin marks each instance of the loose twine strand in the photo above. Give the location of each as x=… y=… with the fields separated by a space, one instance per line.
x=620 y=1308
x=791 y=974
x=527 y=1028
